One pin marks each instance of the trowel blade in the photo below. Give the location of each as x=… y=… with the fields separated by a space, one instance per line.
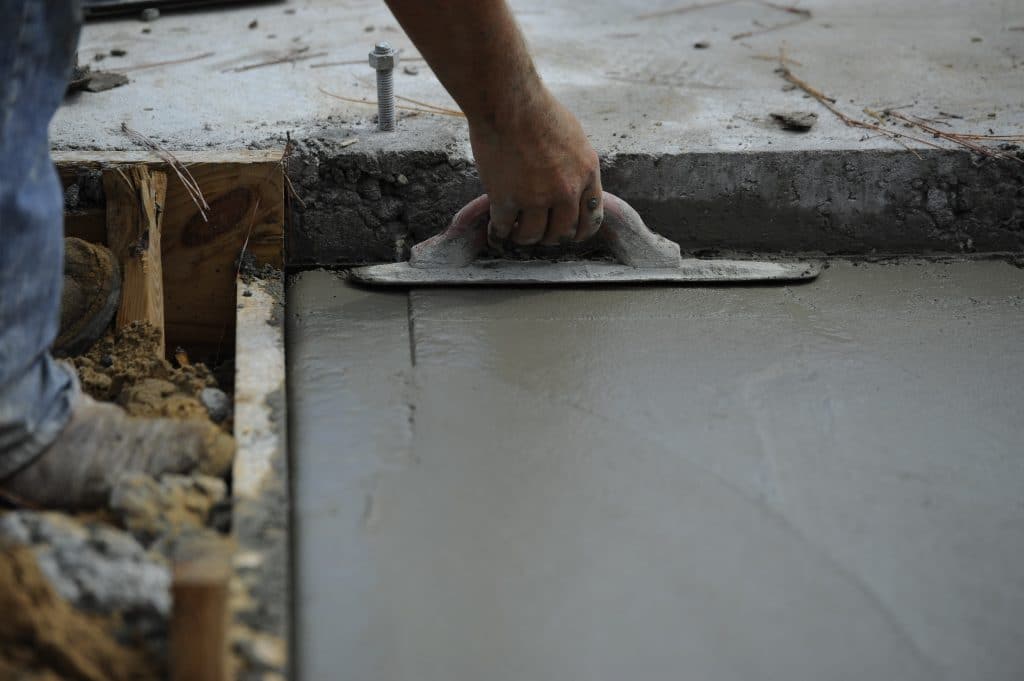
x=539 y=273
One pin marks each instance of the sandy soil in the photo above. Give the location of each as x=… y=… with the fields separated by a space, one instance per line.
x=44 y=635
x=45 y=638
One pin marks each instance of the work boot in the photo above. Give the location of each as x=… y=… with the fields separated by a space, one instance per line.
x=101 y=442
x=91 y=294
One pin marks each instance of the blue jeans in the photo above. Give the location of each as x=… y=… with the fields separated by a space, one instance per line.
x=37 y=46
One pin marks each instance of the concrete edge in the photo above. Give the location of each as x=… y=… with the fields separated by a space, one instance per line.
x=358 y=207
x=261 y=602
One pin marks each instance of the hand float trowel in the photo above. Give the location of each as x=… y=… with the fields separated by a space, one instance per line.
x=635 y=254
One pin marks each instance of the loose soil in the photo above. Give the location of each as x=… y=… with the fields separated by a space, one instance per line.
x=43 y=636
x=126 y=367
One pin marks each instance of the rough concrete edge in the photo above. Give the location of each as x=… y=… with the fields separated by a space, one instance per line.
x=359 y=207
x=261 y=603
x=185 y=157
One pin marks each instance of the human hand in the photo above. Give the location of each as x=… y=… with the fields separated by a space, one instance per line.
x=541 y=174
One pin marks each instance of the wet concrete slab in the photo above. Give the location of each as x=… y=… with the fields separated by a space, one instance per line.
x=790 y=482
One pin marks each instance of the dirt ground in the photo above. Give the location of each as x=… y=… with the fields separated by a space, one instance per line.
x=125 y=367
x=66 y=615
x=44 y=638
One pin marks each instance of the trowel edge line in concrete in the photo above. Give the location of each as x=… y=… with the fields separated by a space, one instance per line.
x=453 y=258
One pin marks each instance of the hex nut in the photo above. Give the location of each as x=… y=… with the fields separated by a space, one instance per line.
x=384 y=62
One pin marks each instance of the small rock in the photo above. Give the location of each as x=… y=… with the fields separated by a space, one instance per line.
x=100 y=81
x=264 y=649
x=71 y=196
x=411 y=70
x=975 y=39
x=93 y=565
x=219 y=517
x=254 y=24
x=150 y=14
x=118 y=52
x=217 y=403
x=99 y=56
x=14 y=529
x=175 y=505
x=799 y=121
x=701 y=45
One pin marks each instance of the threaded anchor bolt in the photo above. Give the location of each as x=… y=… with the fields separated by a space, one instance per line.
x=384 y=59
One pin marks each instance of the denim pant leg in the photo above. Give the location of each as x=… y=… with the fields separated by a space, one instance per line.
x=37 y=44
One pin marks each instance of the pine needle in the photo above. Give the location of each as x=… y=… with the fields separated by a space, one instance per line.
x=437 y=110
x=964 y=140
x=191 y=186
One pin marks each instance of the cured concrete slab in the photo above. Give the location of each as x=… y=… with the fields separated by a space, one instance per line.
x=635 y=78
x=811 y=482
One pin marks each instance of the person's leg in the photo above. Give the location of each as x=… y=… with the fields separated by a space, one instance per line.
x=37 y=44
x=58 y=448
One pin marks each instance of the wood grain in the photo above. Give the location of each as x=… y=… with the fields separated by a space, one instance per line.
x=198 y=649
x=245 y=191
x=135 y=201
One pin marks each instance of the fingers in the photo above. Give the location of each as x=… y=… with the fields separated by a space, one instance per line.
x=566 y=221
x=562 y=224
x=572 y=216
x=503 y=219
x=591 y=213
x=533 y=223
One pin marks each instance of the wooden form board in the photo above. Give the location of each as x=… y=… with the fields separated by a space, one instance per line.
x=245 y=192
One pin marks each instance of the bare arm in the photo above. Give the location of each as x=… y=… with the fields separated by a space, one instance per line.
x=540 y=171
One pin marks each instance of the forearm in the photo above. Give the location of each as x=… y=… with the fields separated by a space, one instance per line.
x=542 y=176
x=478 y=53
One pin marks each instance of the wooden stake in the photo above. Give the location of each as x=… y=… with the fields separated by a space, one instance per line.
x=199 y=255
x=199 y=618
x=135 y=207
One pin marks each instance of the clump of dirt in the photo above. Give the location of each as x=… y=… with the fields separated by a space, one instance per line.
x=168 y=508
x=72 y=587
x=51 y=625
x=126 y=367
x=269 y=279
x=46 y=638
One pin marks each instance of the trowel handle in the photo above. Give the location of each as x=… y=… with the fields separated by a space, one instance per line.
x=623 y=233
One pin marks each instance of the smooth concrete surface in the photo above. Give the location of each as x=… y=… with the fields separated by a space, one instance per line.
x=811 y=482
x=637 y=81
